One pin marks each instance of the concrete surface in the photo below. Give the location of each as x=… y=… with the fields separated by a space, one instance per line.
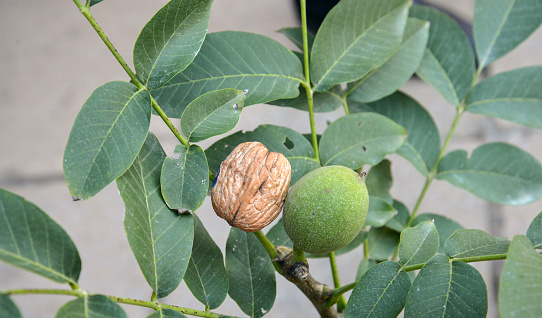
x=50 y=62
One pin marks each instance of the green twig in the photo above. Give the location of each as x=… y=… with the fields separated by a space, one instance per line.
x=337 y=293
x=335 y=296
x=121 y=300
x=86 y=12
x=270 y=249
x=341 y=302
x=473 y=259
x=307 y=83
x=345 y=106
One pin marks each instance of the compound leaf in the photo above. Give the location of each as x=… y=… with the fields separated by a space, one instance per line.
x=520 y=288
x=379 y=213
x=160 y=238
x=379 y=181
x=212 y=114
x=386 y=79
x=206 y=275
x=418 y=244
x=185 y=180
x=31 y=240
x=472 y=242
x=513 y=96
x=8 y=309
x=356 y=37
x=239 y=60
x=171 y=40
x=96 y=306
x=422 y=146
x=106 y=137
x=500 y=25
x=448 y=62
x=496 y=172
x=251 y=273
x=358 y=139
x=166 y=313
x=534 y=232
x=381 y=292
x=447 y=289
x=444 y=225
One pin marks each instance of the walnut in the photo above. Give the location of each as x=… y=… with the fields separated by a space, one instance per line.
x=251 y=186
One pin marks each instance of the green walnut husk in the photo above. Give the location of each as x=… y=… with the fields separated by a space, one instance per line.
x=326 y=209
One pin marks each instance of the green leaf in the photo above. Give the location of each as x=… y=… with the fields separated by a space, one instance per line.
x=520 y=288
x=379 y=213
x=365 y=265
x=237 y=60
x=422 y=146
x=448 y=62
x=251 y=273
x=447 y=289
x=106 y=137
x=97 y=306
x=296 y=36
x=513 y=96
x=496 y=172
x=382 y=243
x=160 y=238
x=170 y=40
x=206 y=275
x=8 y=309
x=389 y=77
x=166 y=313
x=93 y=2
x=534 y=232
x=357 y=241
x=399 y=221
x=379 y=181
x=185 y=180
x=471 y=242
x=444 y=225
x=277 y=235
x=356 y=37
x=31 y=240
x=296 y=148
x=212 y=114
x=418 y=244
x=500 y=25
x=381 y=292
x=355 y=140
x=322 y=101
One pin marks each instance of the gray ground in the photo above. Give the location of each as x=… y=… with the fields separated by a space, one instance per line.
x=50 y=62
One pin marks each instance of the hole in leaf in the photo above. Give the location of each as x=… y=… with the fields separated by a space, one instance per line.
x=288 y=143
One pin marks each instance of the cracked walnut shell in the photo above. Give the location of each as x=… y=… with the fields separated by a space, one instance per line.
x=251 y=186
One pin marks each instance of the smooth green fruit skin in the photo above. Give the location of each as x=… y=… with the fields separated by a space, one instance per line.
x=326 y=209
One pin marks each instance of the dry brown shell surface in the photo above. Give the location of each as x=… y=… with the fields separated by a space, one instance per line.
x=251 y=186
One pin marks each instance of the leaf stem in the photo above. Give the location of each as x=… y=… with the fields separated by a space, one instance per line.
x=433 y=173
x=269 y=247
x=121 y=300
x=472 y=259
x=341 y=302
x=307 y=83
x=345 y=106
x=86 y=12
x=338 y=294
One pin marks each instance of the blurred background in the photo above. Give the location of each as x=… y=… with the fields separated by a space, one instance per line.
x=50 y=62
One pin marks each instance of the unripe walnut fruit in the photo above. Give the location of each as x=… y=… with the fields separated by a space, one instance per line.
x=325 y=210
x=251 y=186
